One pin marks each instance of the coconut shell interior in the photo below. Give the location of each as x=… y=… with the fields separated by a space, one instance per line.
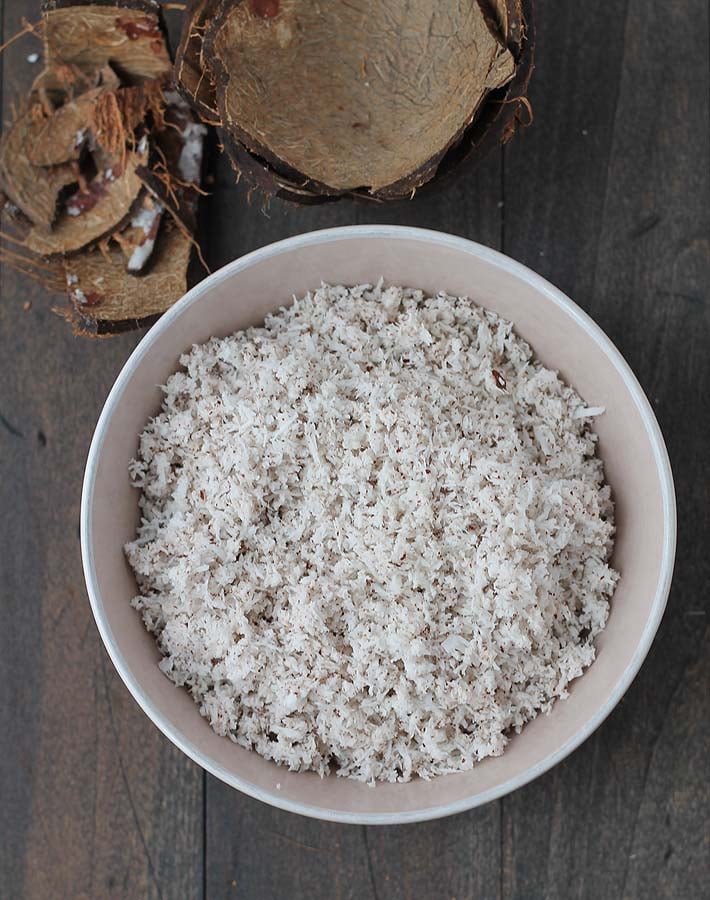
x=105 y=298
x=353 y=95
x=33 y=189
x=91 y=36
x=59 y=137
x=91 y=213
x=203 y=79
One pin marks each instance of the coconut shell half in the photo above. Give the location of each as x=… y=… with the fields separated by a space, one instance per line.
x=353 y=96
x=319 y=101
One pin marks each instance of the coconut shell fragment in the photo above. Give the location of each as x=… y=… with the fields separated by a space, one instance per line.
x=93 y=212
x=117 y=115
x=33 y=189
x=60 y=137
x=105 y=299
x=174 y=179
x=137 y=240
x=129 y=36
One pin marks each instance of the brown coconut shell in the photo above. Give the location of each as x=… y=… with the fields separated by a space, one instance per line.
x=138 y=239
x=60 y=137
x=117 y=116
x=192 y=76
x=129 y=36
x=373 y=112
x=101 y=171
x=34 y=189
x=399 y=138
x=60 y=83
x=105 y=299
x=93 y=212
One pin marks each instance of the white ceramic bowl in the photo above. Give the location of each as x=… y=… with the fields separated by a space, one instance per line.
x=564 y=338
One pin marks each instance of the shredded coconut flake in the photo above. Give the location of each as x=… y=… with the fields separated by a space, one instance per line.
x=588 y=412
x=146 y=220
x=190 y=162
x=140 y=255
x=356 y=551
x=145 y=217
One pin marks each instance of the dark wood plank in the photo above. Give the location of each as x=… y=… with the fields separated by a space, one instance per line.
x=257 y=852
x=95 y=802
x=236 y=222
x=608 y=196
x=254 y=852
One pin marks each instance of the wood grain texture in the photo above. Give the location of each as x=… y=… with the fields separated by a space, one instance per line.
x=606 y=195
x=255 y=851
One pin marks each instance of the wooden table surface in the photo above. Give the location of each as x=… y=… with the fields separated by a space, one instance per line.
x=607 y=195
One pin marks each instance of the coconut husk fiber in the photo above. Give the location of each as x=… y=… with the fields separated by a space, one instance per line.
x=89 y=214
x=59 y=137
x=100 y=172
x=317 y=101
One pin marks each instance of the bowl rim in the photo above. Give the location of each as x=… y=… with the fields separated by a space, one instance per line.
x=584 y=321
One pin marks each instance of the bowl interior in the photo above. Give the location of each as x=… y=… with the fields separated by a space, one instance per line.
x=240 y=295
